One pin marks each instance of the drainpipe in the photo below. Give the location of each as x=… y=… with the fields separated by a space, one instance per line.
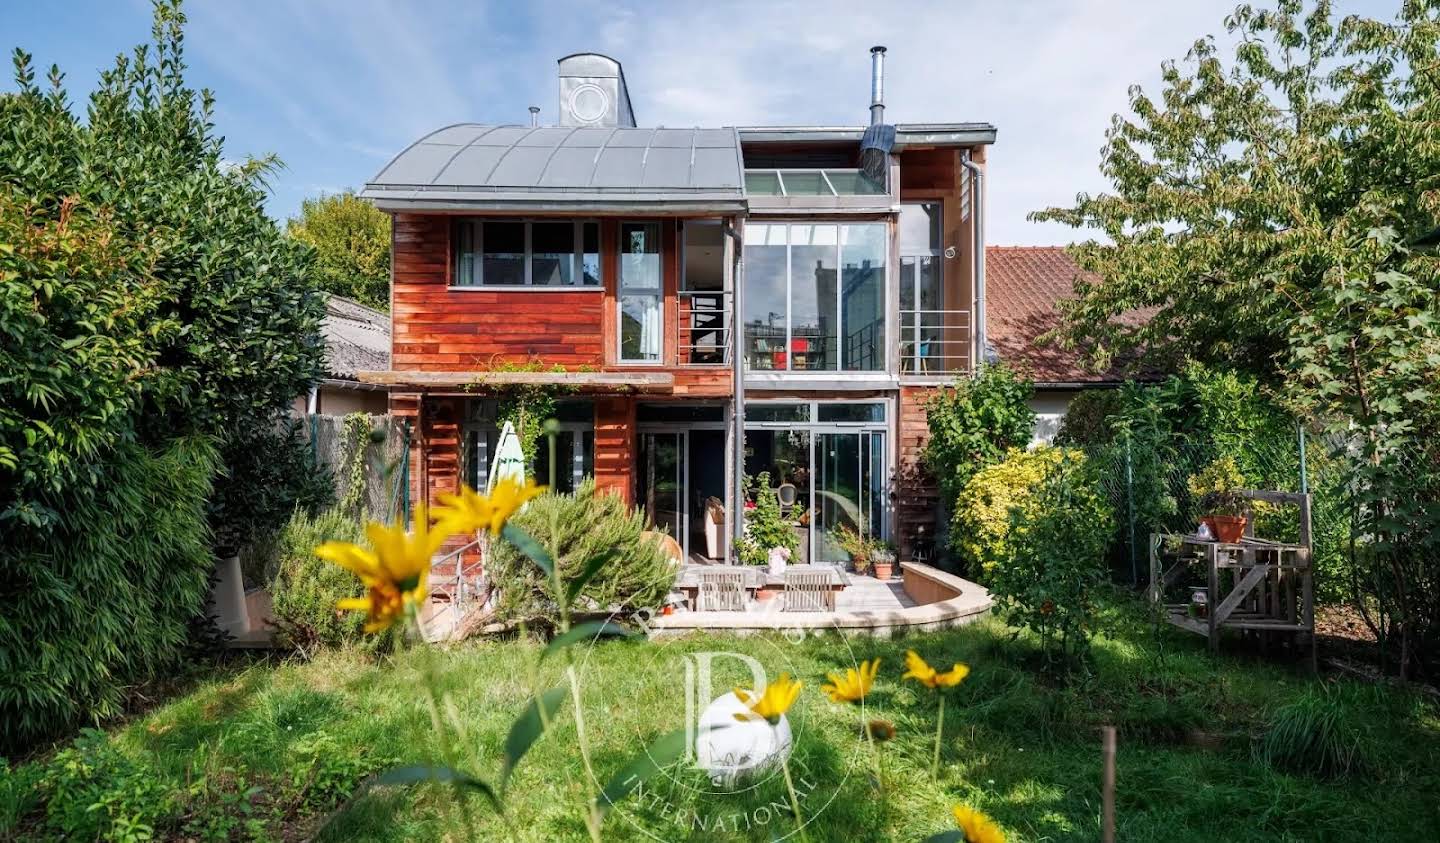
x=977 y=207
x=737 y=358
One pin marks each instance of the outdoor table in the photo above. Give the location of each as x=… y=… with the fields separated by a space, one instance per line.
x=756 y=577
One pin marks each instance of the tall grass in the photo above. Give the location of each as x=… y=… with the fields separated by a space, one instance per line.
x=1316 y=733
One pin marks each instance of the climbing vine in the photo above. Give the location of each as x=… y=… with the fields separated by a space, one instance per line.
x=527 y=406
x=356 y=436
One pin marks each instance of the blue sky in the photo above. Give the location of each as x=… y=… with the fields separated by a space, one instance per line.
x=336 y=87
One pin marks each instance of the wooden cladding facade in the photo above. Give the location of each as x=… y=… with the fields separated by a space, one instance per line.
x=439 y=328
x=442 y=328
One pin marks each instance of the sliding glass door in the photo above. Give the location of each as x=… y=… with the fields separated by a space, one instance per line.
x=662 y=482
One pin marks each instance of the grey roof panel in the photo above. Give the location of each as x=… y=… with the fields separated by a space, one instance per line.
x=665 y=166
x=522 y=166
x=500 y=166
x=471 y=166
x=418 y=164
x=570 y=167
x=619 y=167
x=716 y=167
x=632 y=137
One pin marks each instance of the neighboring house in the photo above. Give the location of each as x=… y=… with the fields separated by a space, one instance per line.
x=807 y=287
x=357 y=338
x=1025 y=285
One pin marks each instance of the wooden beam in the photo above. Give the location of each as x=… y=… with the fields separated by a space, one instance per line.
x=1242 y=588
x=477 y=381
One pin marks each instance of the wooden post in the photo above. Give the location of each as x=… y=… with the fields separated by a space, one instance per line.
x=1212 y=598
x=1107 y=786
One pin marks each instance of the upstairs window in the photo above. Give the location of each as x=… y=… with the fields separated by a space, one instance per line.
x=514 y=253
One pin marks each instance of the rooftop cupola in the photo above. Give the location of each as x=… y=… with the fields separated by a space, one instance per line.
x=592 y=92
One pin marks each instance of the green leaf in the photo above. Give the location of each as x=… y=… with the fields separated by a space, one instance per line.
x=592 y=567
x=588 y=631
x=528 y=728
x=420 y=773
x=662 y=753
x=528 y=546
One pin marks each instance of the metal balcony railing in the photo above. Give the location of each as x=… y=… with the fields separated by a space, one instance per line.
x=704 y=327
x=934 y=342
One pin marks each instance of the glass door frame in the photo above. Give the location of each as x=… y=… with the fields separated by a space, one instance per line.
x=866 y=429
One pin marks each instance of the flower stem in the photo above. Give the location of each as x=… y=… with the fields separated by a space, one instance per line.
x=939 y=733
x=592 y=818
x=794 y=800
x=875 y=748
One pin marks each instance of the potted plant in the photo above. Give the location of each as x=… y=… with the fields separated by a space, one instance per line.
x=1217 y=486
x=883 y=558
x=768 y=538
x=856 y=545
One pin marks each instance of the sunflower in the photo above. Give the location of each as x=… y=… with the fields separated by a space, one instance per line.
x=393 y=569
x=470 y=511
x=978 y=828
x=773 y=702
x=918 y=669
x=855 y=685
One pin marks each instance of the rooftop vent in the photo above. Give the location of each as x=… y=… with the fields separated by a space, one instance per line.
x=592 y=92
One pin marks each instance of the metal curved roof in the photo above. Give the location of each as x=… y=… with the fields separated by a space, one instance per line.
x=470 y=166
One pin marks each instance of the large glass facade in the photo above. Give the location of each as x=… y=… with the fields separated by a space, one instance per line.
x=815 y=296
x=828 y=464
x=923 y=315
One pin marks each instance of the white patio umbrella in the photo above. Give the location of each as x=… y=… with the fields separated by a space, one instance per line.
x=509 y=461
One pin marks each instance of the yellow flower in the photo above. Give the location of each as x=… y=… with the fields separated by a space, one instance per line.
x=470 y=511
x=776 y=699
x=978 y=828
x=917 y=669
x=855 y=685
x=394 y=569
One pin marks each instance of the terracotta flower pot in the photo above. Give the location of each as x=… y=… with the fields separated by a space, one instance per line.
x=1227 y=528
x=883 y=570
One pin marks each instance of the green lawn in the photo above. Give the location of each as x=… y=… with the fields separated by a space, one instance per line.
x=271 y=750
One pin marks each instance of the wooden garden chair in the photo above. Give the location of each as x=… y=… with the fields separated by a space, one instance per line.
x=808 y=591
x=722 y=591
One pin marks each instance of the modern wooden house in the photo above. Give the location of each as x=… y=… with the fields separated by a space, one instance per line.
x=717 y=303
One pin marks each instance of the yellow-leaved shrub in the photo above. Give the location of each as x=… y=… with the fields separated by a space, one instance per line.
x=981 y=521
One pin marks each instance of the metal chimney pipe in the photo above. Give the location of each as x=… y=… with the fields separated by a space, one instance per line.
x=877 y=85
x=534 y=115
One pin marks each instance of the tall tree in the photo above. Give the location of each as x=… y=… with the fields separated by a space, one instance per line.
x=1262 y=211
x=351 y=239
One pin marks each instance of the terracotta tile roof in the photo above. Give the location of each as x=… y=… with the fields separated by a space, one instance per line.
x=1022 y=286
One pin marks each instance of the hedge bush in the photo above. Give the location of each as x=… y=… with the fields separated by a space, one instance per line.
x=574 y=528
x=101 y=601
x=973 y=424
x=981 y=524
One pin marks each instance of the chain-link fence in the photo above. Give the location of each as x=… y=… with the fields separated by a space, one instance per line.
x=365 y=456
x=1148 y=483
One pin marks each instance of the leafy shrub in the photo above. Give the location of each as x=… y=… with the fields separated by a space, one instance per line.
x=306 y=587
x=980 y=526
x=1054 y=559
x=574 y=529
x=1314 y=734
x=93 y=791
x=146 y=299
x=973 y=424
x=764 y=528
x=100 y=601
x=1089 y=418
